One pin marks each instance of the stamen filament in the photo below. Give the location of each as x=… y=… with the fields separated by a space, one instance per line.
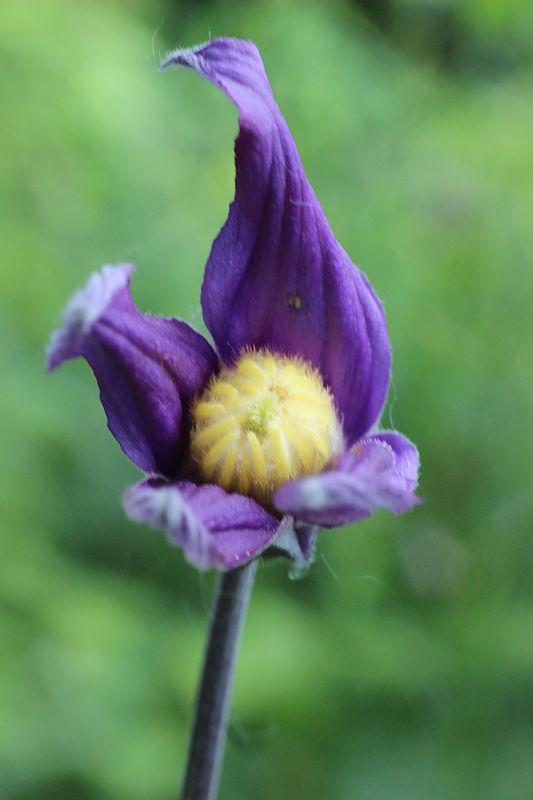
x=258 y=457
x=213 y=455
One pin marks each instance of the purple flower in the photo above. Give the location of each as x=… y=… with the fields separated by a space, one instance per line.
x=254 y=445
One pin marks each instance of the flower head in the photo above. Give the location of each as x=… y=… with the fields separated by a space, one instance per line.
x=263 y=421
x=251 y=445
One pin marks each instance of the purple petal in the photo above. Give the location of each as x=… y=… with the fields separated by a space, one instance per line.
x=276 y=276
x=378 y=472
x=147 y=368
x=213 y=528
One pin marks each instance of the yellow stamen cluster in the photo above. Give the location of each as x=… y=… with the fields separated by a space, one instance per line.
x=262 y=422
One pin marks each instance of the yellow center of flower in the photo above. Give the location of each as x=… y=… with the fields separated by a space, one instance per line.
x=264 y=421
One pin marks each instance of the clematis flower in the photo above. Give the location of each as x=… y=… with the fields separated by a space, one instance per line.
x=251 y=445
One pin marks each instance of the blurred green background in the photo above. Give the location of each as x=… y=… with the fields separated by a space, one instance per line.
x=401 y=667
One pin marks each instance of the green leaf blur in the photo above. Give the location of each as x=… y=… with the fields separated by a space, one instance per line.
x=401 y=666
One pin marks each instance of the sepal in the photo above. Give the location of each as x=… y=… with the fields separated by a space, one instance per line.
x=148 y=368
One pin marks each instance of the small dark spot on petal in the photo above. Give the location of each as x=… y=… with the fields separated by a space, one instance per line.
x=294 y=301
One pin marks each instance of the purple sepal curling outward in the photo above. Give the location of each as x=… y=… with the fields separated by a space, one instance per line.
x=378 y=472
x=276 y=278
x=147 y=368
x=213 y=528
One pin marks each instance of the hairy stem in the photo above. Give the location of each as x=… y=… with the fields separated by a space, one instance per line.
x=213 y=700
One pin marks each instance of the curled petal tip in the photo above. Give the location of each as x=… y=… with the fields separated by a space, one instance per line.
x=176 y=58
x=82 y=310
x=183 y=57
x=215 y=49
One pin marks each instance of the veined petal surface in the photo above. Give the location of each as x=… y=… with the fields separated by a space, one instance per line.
x=276 y=276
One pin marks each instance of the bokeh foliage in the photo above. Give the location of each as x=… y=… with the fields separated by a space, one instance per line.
x=402 y=665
